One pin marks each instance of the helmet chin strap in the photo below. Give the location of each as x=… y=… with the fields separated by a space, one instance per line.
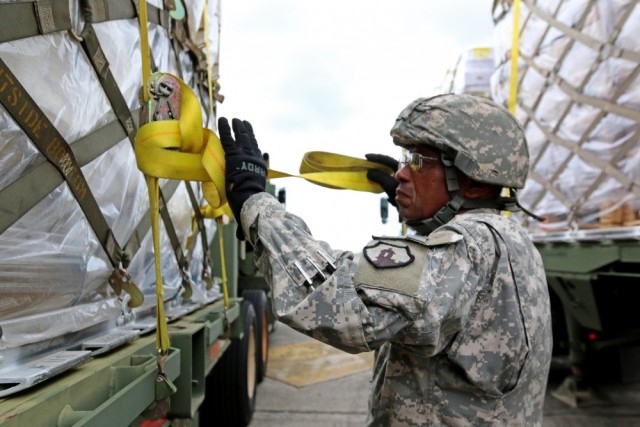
x=443 y=216
x=450 y=209
x=457 y=202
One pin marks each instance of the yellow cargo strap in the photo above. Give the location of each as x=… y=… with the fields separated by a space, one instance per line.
x=515 y=51
x=513 y=78
x=336 y=171
x=162 y=333
x=182 y=149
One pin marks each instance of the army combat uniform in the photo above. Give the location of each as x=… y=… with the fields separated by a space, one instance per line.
x=459 y=319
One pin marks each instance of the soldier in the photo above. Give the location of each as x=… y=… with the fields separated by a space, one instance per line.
x=458 y=313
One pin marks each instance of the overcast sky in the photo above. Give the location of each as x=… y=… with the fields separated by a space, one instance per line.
x=332 y=76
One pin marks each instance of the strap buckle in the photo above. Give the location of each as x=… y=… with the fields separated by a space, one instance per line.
x=121 y=280
x=166 y=98
x=186 y=282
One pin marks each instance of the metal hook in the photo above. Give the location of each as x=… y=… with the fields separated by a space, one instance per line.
x=74 y=36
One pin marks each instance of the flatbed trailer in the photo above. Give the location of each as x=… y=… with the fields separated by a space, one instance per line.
x=117 y=388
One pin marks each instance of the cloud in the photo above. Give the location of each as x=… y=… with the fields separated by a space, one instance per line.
x=310 y=91
x=333 y=76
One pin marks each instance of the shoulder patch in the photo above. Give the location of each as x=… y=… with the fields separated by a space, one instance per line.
x=378 y=273
x=387 y=255
x=443 y=237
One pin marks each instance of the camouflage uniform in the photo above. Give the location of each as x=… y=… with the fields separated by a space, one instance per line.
x=459 y=319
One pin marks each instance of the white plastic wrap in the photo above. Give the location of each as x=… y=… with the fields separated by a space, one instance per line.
x=474 y=71
x=53 y=269
x=585 y=155
x=52 y=68
x=45 y=256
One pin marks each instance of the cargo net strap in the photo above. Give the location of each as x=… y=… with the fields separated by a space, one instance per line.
x=29 y=189
x=96 y=11
x=578 y=93
x=51 y=144
x=19 y=20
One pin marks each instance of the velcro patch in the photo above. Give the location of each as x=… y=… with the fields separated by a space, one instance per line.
x=387 y=255
x=443 y=237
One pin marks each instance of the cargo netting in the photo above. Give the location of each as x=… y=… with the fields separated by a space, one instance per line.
x=578 y=98
x=80 y=63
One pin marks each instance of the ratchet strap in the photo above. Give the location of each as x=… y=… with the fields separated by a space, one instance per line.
x=153 y=187
x=91 y=46
x=182 y=149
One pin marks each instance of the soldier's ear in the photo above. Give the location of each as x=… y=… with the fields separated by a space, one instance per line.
x=472 y=189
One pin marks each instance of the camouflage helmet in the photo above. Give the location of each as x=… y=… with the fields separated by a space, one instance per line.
x=484 y=140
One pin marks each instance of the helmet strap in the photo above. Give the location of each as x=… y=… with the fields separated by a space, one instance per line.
x=449 y=210
x=457 y=202
x=443 y=216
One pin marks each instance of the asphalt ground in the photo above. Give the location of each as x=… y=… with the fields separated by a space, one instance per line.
x=309 y=384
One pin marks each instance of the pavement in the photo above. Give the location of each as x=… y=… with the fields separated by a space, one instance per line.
x=309 y=384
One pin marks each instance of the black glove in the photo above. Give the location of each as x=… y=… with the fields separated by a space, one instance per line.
x=386 y=181
x=246 y=170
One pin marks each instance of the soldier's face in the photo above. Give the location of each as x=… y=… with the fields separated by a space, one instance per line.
x=421 y=193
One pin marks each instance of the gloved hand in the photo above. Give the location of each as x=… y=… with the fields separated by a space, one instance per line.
x=246 y=170
x=386 y=181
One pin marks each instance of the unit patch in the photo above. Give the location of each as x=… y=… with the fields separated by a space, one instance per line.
x=386 y=255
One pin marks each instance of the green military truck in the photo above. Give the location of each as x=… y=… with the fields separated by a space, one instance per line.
x=81 y=317
x=577 y=94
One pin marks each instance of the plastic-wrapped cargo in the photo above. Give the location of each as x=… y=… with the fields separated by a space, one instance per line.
x=65 y=70
x=579 y=102
x=471 y=73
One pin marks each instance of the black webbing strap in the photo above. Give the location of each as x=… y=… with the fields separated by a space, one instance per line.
x=20 y=20
x=135 y=240
x=96 y=56
x=55 y=149
x=183 y=262
x=201 y=227
x=95 y=11
x=25 y=192
x=171 y=233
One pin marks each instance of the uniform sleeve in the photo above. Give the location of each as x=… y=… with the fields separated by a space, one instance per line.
x=449 y=282
x=312 y=285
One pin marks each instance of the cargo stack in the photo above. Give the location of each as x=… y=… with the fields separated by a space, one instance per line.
x=471 y=74
x=579 y=101
x=76 y=261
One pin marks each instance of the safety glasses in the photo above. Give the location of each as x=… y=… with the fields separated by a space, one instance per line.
x=414 y=160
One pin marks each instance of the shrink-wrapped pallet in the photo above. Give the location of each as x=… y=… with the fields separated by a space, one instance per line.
x=578 y=98
x=471 y=73
x=54 y=271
